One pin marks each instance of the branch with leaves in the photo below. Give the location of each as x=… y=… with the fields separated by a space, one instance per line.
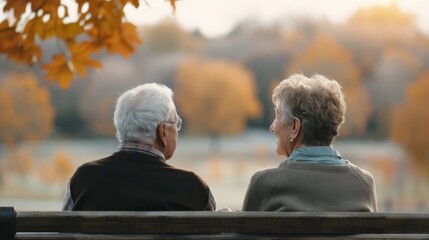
x=83 y=27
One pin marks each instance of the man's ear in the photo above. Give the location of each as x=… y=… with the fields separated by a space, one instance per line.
x=161 y=134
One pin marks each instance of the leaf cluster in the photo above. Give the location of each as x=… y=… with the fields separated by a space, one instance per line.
x=82 y=28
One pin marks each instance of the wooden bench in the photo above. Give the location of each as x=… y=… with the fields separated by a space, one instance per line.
x=210 y=225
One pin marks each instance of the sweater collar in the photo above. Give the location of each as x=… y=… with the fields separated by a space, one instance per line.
x=319 y=154
x=141 y=147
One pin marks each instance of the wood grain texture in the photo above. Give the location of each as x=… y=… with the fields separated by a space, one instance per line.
x=228 y=236
x=223 y=222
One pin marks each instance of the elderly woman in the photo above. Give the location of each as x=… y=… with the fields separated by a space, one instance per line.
x=314 y=177
x=137 y=177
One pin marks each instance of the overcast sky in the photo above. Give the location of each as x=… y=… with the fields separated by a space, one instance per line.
x=217 y=17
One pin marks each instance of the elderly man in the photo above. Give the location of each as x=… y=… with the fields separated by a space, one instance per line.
x=136 y=177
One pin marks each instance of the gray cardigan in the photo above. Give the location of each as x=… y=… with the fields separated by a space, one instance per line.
x=311 y=187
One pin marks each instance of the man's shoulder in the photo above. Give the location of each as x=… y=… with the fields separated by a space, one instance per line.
x=185 y=173
x=93 y=165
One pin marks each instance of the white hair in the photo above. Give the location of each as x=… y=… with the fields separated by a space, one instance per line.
x=140 y=110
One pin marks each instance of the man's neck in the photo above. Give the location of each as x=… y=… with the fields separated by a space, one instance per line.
x=136 y=146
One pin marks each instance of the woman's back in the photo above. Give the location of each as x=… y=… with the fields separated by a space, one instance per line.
x=311 y=187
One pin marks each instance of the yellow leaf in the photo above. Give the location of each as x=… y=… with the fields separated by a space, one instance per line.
x=173 y=5
x=26 y=51
x=80 y=63
x=33 y=27
x=45 y=29
x=87 y=47
x=80 y=4
x=36 y=26
x=59 y=70
x=80 y=57
x=51 y=7
x=108 y=19
x=8 y=37
x=36 y=5
x=135 y=3
x=123 y=3
x=96 y=41
x=4 y=25
x=123 y=42
x=129 y=34
x=69 y=31
x=18 y=7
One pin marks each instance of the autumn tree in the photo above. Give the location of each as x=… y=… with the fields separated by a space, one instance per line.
x=82 y=28
x=62 y=166
x=373 y=28
x=216 y=97
x=389 y=21
x=59 y=170
x=97 y=102
x=266 y=65
x=168 y=36
x=27 y=113
x=325 y=56
x=411 y=121
x=396 y=69
x=390 y=51
x=18 y=161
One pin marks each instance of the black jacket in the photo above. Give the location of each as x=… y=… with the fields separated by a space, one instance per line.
x=133 y=181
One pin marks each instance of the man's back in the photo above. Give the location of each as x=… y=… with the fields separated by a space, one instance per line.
x=134 y=181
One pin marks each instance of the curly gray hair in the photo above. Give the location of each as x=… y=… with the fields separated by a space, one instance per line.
x=317 y=101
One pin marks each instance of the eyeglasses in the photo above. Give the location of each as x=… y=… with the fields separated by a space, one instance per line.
x=178 y=123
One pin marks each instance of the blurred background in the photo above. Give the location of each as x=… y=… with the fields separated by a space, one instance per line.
x=223 y=59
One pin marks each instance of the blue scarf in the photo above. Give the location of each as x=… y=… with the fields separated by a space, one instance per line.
x=322 y=155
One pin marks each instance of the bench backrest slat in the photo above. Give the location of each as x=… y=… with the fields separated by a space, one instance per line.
x=223 y=222
x=76 y=236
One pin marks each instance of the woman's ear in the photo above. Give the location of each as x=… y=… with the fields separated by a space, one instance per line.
x=296 y=126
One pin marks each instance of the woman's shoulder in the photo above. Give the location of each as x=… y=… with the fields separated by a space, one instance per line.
x=365 y=174
x=267 y=174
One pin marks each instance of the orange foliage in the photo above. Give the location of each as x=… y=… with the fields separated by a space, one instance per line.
x=273 y=85
x=59 y=170
x=25 y=163
x=383 y=15
x=325 y=56
x=98 y=112
x=396 y=69
x=97 y=102
x=382 y=24
x=7 y=121
x=411 y=121
x=403 y=57
x=216 y=97
x=294 y=39
x=27 y=113
x=19 y=161
x=167 y=36
x=386 y=165
x=98 y=24
x=63 y=167
x=373 y=28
